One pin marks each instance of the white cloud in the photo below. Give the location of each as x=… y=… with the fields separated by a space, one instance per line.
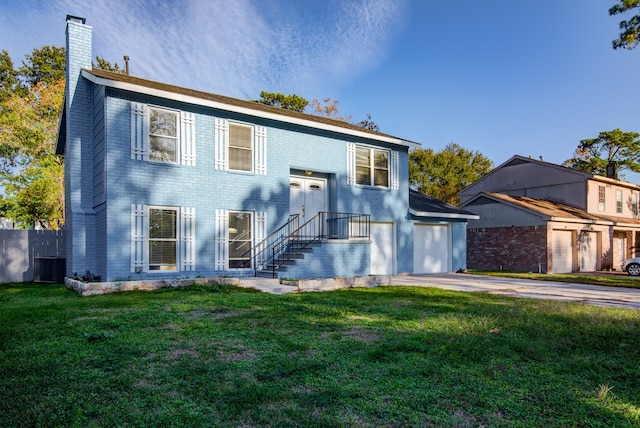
x=240 y=47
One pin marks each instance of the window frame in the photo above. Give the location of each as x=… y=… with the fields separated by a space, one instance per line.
x=249 y=241
x=229 y=147
x=602 y=198
x=175 y=239
x=177 y=138
x=619 y=199
x=372 y=167
x=634 y=204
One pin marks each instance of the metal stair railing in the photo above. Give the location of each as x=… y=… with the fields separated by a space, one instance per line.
x=280 y=248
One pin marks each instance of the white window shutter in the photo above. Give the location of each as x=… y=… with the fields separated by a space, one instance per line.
x=188 y=238
x=187 y=138
x=221 y=129
x=260 y=236
x=260 y=155
x=139 y=131
x=351 y=164
x=395 y=174
x=139 y=230
x=221 y=226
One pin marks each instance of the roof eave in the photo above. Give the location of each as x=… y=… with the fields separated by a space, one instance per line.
x=132 y=87
x=444 y=215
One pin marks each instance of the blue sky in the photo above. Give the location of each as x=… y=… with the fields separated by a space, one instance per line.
x=502 y=77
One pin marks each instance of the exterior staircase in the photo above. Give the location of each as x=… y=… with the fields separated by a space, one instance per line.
x=292 y=242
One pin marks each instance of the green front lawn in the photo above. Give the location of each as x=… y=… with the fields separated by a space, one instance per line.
x=388 y=356
x=613 y=280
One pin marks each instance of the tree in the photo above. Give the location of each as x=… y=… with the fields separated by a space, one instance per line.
x=103 y=64
x=369 y=124
x=46 y=64
x=8 y=75
x=327 y=108
x=287 y=102
x=31 y=174
x=630 y=30
x=593 y=155
x=444 y=174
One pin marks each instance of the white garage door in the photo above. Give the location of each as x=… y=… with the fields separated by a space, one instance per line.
x=588 y=251
x=562 y=251
x=431 y=248
x=382 y=249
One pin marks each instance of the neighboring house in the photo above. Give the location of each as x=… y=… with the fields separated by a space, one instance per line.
x=538 y=216
x=167 y=182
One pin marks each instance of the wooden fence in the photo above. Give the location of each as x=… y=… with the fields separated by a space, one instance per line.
x=21 y=251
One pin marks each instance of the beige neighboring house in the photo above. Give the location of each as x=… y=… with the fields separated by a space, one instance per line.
x=537 y=216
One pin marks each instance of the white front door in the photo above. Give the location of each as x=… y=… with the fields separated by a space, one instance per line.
x=307 y=196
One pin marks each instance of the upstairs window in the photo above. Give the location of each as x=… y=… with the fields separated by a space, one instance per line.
x=240 y=147
x=619 y=201
x=163 y=135
x=601 y=198
x=634 y=204
x=372 y=166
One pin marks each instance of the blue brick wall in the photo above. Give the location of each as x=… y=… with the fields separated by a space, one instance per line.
x=79 y=213
x=332 y=259
x=206 y=189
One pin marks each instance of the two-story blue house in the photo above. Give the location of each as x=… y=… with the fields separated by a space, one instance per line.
x=167 y=182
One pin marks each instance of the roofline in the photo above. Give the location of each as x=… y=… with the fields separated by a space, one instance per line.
x=443 y=215
x=538 y=213
x=528 y=159
x=133 y=87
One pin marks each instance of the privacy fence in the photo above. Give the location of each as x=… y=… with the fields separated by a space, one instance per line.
x=28 y=255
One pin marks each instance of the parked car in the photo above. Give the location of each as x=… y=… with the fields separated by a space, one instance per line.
x=632 y=266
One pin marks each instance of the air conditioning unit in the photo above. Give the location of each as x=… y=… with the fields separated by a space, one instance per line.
x=49 y=269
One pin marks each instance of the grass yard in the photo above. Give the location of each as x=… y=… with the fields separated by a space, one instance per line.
x=388 y=356
x=618 y=280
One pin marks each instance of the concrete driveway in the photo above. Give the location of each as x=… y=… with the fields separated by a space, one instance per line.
x=596 y=295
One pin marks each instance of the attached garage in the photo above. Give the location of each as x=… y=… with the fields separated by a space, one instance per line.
x=588 y=251
x=431 y=248
x=383 y=254
x=562 y=251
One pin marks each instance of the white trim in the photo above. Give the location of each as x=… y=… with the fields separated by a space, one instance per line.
x=138 y=241
x=139 y=131
x=188 y=239
x=221 y=131
x=351 y=164
x=187 y=138
x=443 y=215
x=243 y=110
x=221 y=225
x=260 y=150
x=394 y=170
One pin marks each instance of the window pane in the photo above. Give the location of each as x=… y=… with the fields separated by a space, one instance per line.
x=162 y=224
x=363 y=175
x=381 y=159
x=363 y=157
x=240 y=136
x=162 y=149
x=163 y=123
x=162 y=255
x=381 y=177
x=240 y=159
